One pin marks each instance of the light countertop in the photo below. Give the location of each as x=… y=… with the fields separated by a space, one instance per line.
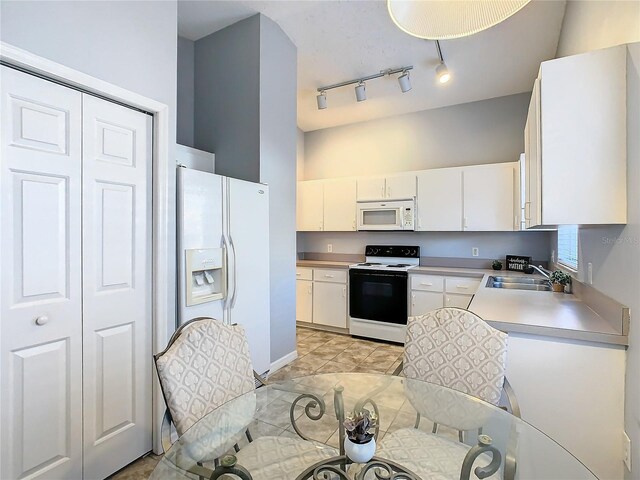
x=547 y=314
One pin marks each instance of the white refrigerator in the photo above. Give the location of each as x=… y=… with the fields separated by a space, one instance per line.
x=223 y=255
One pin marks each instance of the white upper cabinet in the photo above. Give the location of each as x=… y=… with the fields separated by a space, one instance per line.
x=371 y=188
x=395 y=187
x=581 y=136
x=439 y=200
x=488 y=192
x=532 y=172
x=401 y=187
x=310 y=206
x=340 y=205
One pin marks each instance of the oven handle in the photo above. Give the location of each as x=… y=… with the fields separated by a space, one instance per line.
x=371 y=273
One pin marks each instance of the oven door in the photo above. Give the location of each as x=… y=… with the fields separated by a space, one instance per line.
x=379 y=296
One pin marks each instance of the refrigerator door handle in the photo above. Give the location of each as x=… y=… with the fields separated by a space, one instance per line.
x=235 y=273
x=230 y=269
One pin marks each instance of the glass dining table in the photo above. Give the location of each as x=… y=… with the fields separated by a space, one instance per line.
x=293 y=430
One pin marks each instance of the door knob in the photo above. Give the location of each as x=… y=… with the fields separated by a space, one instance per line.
x=41 y=320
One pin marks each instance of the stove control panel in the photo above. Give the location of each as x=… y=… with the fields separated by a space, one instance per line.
x=399 y=251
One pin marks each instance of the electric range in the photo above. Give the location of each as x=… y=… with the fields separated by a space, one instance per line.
x=379 y=293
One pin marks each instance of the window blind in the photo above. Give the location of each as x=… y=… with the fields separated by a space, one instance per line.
x=568 y=246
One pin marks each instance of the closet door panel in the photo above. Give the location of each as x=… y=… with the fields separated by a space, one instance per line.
x=40 y=297
x=117 y=289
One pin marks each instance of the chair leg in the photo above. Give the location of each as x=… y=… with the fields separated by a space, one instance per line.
x=417 y=424
x=248 y=434
x=435 y=428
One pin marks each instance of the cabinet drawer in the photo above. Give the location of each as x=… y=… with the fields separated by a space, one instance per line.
x=429 y=283
x=327 y=275
x=464 y=285
x=457 y=300
x=303 y=273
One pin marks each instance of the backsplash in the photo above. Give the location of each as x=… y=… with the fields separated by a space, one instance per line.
x=459 y=245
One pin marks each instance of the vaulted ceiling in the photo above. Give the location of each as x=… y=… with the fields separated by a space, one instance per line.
x=342 y=40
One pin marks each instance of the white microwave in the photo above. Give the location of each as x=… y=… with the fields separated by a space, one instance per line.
x=394 y=215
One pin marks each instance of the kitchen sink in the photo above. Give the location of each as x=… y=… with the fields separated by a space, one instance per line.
x=519 y=283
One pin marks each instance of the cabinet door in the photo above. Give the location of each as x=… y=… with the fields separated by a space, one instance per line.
x=330 y=304
x=371 y=188
x=340 y=205
x=439 y=200
x=488 y=197
x=304 y=300
x=533 y=187
x=401 y=187
x=457 y=300
x=425 y=302
x=310 y=206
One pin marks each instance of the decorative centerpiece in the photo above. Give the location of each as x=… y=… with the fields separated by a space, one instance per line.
x=559 y=280
x=360 y=444
x=496 y=265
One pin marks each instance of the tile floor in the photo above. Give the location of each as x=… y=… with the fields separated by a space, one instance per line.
x=318 y=352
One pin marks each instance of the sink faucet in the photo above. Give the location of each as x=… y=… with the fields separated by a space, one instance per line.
x=543 y=271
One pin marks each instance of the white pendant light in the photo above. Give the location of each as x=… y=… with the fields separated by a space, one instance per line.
x=442 y=72
x=440 y=20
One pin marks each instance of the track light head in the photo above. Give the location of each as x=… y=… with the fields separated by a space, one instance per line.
x=404 y=81
x=322 y=100
x=361 y=93
x=442 y=72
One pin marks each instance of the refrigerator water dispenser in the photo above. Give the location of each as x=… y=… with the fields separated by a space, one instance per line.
x=205 y=275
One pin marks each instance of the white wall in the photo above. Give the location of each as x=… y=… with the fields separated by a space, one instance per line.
x=615 y=251
x=185 y=85
x=489 y=131
x=591 y=25
x=129 y=44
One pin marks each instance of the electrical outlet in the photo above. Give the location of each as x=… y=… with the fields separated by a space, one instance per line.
x=329 y=247
x=475 y=251
x=627 y=450
x=590 y=273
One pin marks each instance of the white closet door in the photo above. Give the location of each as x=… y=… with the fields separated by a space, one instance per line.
x=117 y=292
x=40 y=297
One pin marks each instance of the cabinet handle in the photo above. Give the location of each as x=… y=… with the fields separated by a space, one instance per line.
x=42 y=320
x=354 y=224
x=428 y=284
x=344 y=292
x=464 y=222
x=382 y=191
x=388 y=192
x=310 y=289
x=298 y=274
x=328 y=276
x=527 y=210
x=463 y=287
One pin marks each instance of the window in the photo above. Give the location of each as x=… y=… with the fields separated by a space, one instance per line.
x=568 y=246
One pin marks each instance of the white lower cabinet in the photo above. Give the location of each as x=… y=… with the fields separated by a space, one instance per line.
x=430 y=292
x=425 y=302
x=330 y=304
x=457 y=300
x=321 y=296
x=304 y=301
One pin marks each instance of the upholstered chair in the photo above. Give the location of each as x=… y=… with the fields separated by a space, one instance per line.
x=205 y=365
x=457 y=349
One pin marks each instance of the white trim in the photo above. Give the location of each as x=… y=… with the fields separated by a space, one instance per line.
x=161 y=312
x=283 y=361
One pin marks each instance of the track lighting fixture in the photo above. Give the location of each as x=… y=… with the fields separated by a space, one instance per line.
x=405 y=82
x=322 y=100
x=442 y=72
x=361 y=93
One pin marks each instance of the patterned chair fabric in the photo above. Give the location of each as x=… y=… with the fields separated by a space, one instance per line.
x=207 y=365
x=429 y=456
x=455 y=348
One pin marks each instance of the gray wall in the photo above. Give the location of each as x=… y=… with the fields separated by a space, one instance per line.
x=278 y=135
x=227 y=93
x=185 y=85
x=491 y=245
x=129 y=44
x=490 y=131
x=245 y=112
